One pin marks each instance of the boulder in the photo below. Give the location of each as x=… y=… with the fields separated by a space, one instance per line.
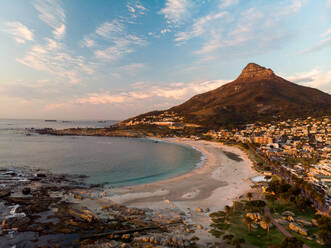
x=4 y=193
x=83 y=214
x=15 y=222
x=297 y=228
x=26 y=191
x=288 y=213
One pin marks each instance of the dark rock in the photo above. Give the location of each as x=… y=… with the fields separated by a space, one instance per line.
x=4 y=193
x=26 y=191
x=21 y=223
x=40 y=175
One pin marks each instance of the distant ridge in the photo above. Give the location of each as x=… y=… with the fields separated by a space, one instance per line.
x=258 y=94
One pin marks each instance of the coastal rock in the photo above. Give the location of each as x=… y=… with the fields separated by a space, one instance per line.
x=15 y=222
x=83 y=214
x=297 y=228
x=26 y=191
x=4 y=193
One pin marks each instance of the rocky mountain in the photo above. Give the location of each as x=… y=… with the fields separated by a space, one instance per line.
x=257 y=94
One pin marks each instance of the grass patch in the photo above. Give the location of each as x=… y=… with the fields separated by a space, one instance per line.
x=257 y=237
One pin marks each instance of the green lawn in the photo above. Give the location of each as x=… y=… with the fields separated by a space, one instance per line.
x=257 y=237
x=281 y=205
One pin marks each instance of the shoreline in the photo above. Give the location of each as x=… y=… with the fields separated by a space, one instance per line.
x=185 y=200
x=217 y=183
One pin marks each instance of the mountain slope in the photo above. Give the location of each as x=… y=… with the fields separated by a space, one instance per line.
x=257 y=94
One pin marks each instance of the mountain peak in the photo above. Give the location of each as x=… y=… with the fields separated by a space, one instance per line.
x=254 y=71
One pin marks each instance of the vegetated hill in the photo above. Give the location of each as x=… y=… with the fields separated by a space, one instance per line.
x=256 y=95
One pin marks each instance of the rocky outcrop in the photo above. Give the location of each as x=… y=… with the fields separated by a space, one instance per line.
x=254 y=72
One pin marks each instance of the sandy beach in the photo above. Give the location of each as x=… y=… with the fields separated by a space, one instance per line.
x=223 y=177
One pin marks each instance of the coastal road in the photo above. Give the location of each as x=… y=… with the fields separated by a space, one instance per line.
x=279 y=226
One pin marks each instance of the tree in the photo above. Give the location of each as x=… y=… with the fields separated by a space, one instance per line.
x=291 y=242
x=267 y=220
x=227 y=210
x=236 y=242
x=249 y=195
x=248 y=222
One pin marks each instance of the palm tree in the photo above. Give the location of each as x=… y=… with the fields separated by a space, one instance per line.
x=248 y=222
x=227 y=210
x=249 y=195
x=267 y=220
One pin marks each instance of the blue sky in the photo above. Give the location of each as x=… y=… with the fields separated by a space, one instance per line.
x=110 y=59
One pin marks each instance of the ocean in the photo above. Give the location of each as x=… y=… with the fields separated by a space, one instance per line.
x=110 y=160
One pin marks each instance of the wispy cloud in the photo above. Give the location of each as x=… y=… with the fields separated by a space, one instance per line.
x=316 y=78
x=136 y=8
x=87 y=42
x=52 y=13
x=326 y=33
x=122 y=43
x=121 y=46
x=227 y=3
x=52 y=57
x=199 y=27
x=175 y=11
x=20 y=32
x=133 y=69
x=321 y=45
x=109 y=29
x=176 y=91
x=257 y=27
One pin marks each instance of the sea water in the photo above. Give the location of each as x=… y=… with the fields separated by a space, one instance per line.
x=111 y=160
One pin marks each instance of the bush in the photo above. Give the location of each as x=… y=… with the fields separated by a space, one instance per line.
x=291 y=243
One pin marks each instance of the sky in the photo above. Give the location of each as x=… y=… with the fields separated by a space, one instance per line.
x=110 y=59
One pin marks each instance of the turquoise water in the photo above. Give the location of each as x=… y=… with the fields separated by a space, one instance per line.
x=111 y=160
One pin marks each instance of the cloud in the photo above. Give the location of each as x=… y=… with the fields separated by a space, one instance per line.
x=221 y=34
x=87 y=42
x=315 y=78
x=321 y=45
x=20 y=32
x=52 y=13
x=175 y=11
x=136 y=8
x=327 y=32
x=52 y=57
x=328 y=3
x=121 y=46
x=165 y=30
x=59 y=32
x=133 y=69
x=109 y=29
x=200 y=27
x=122 y=43
x=227 y=3
x=176 y=91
